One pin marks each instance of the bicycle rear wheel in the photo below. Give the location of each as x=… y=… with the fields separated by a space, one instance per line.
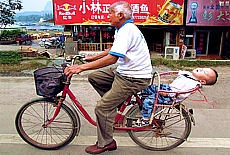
x=33 y=115
x=169 y=129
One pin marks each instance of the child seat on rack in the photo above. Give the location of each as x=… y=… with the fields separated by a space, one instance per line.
x=163 y=80
x=168 y=98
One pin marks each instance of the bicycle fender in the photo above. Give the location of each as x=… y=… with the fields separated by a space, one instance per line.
x=192 y=118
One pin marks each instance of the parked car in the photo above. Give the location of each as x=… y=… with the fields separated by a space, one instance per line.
x=24 y=38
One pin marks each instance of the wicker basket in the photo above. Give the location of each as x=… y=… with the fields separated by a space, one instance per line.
x=49 y=81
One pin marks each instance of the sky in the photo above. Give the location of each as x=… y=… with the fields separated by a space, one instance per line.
x=33 y=5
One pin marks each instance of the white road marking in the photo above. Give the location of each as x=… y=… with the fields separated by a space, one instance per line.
x=126 y=141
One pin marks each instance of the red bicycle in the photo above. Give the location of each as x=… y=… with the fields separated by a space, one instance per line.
x=51 y=122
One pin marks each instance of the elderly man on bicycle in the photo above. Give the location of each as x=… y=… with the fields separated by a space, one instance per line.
x=115 y=84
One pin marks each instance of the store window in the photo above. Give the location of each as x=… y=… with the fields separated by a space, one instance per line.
x=91 y=34
x=108 y=34
x=189 y=39
x=171 y=38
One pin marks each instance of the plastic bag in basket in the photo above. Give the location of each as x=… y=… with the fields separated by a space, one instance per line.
x=49 y=81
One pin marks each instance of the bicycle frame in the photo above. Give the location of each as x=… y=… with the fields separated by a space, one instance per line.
x=67 y=91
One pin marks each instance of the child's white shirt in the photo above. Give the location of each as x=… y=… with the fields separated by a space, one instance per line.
x=183 y=83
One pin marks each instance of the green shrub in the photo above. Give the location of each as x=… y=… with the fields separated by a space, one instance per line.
x=10 y=57
x=10 y=33
x=31 y=65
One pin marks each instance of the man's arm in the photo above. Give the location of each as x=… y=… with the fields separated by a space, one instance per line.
x=104 y=61
x=99 y=63
x=98 y=56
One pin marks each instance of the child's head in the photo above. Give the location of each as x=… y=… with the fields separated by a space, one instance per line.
x=207 y=76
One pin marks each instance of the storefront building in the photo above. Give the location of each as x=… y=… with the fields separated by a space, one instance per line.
x=161 y=22
x=201 y=25
x=207 y=27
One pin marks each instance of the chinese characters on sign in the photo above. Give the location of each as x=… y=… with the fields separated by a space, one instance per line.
x=145 y=12
x=208 y=13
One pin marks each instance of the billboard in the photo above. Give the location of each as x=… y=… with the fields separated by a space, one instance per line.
x=208 y=13
x=95 y=12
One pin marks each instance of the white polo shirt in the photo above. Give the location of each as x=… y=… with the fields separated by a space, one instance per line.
x=131 y=48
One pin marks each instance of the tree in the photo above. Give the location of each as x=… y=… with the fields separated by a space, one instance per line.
x=8 y=10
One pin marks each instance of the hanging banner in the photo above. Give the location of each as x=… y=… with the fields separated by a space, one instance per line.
x=93 y=12
x=208 y=13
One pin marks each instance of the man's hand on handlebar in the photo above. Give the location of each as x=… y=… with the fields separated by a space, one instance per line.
x=73 y=69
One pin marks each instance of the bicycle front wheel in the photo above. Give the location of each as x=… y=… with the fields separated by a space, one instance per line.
x=169 y=129
x=30 y=122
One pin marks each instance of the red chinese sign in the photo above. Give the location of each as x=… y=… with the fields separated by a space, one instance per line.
x=92 y=12
x=208 y=13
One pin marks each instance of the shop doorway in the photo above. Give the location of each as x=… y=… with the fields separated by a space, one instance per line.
x=214 y=43
x=208 y=42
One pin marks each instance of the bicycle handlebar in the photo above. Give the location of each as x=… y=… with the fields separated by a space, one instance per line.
x=73 y=58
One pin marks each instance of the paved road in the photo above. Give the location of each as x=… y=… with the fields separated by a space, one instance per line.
x=210 y=135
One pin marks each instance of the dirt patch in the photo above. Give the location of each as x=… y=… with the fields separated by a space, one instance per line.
x=34 y=45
